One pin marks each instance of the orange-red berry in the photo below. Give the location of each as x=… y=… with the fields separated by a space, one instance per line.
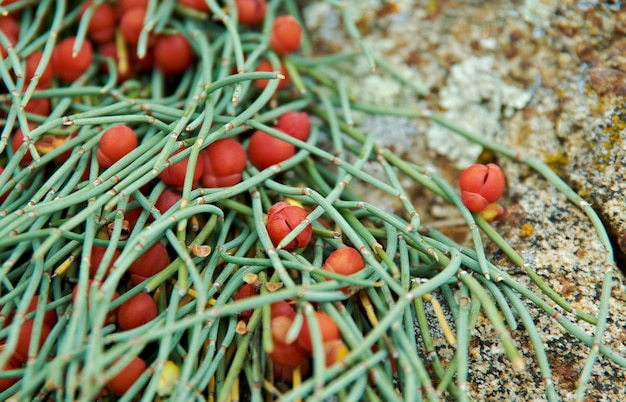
x=327 y=328
x=296 y=124
x=265 y=150
x=67 y=66
x=481 y=185
x=265 y=66
x=127 y=377
x=136 y=311
x=115 y=143
x=286 y=36
x=282 y=218
x=224 y=161
x=250 y=12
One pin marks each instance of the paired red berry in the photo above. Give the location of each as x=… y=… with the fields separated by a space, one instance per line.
x=481 y=185
x=250 y=12
x=265 y=66
x=136 y=311
x=285 y=354
x=151 y=262
x=344 y=261
x=174 y=175
x=282 y=218
x=328 y=330
x=172 y=54
x=127 y=377
x=102 y=23
x=265 y=150
x=296 y=124
x=67 y=67
x=286 y=36
x=224 y=162
x=97 y=254
x=116 y=143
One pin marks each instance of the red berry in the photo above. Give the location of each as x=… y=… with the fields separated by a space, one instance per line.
x=286 y=36
x=281 y=308
x=174 y=175
x=25 y=335
x=116 y=143
x=151 y=262
x=289 y=355
x=32 y=62
x=131 y=24
x=296 y=124
x=121 y=6
x=67 y=67
x=97 y=253
x=265 y=66
x=282 y=218
x=481 y=185
x=136 y=311
x=7 y=382
x=50 y=316
x=344 y=261
x=102 y=23
x=172 y=53
x=224 y=161
x=250 y=12
x=166 y=200
x=127 y=377
x=335 y=351
x=112 y=314
x=265 y=150
x=327 y=328
x=18 y=140
x=11 y=29
x=245 y=291
x=199 y=5
x=38 y=106
x=109 y=49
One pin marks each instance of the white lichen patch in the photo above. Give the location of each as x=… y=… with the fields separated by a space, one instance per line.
x=475 y=97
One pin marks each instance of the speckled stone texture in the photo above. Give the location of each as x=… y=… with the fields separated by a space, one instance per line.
x=548 y=79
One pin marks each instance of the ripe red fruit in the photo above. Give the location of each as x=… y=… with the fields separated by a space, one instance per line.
x=151 y=262
x=289 y=355
x=32 y=62
x=281 y=219
x=250 y=12
x=121 y=6
x=199 y=5
x=224 y=161
x=166 y=200
x=7 y=382
x=25 y=334
x=115 y=143
x=335 y=351
x=127 y=376
x=18 y=140
x=11 y=29
x=172 y=53
x=344 y=261
x=481 y=185
x=286 y=36
x=131 y=24
x=282 y=308
x=327 y=327
x=49 y=318
x=265 y=66
x=296 y=124
x=102 y=23
x=111 y=315
x=97 y=253
x=136 y=311
x=174 y=175
x=69 y=68
x=246 y=290
x=265 y=150
x=39 y=106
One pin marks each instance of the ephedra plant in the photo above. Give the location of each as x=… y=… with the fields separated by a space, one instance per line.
x=172 y=226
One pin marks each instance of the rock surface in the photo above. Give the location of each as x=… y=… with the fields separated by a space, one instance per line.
x=548 y=79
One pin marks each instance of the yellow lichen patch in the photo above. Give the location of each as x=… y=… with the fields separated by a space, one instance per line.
x=527 y=230
x=615 y=131
x=555 y=161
